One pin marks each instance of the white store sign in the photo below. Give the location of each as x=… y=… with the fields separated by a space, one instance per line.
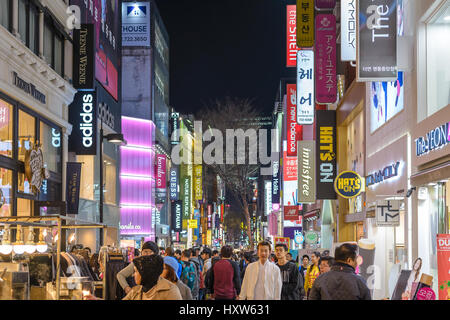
x=305 y=87
x=388 y=213
x=136 y=24
x=348 y=30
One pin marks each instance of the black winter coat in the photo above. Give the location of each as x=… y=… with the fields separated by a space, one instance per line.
x=340 y=283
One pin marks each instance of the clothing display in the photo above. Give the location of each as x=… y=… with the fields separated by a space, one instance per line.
x=114 y=263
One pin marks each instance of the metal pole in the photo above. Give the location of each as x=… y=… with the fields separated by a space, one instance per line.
x=101 y=179
x=58 y=261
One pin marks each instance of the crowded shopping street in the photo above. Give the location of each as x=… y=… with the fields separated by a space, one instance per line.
x=238 y=156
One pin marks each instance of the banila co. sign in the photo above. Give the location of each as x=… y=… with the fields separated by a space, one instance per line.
x=382 y=175
x=435 y=139
x=83 y=115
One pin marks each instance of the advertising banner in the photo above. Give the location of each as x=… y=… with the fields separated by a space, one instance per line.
x=282 y=240
x=305 y=23
x=73 y=174
x=386 y=100
x=186 y=195
x=306 y=172
x=83 y=57
x=291 y=232
x=443 y=260
x=325 y=4
x=105 y=15
x=294 y=130
x=326 y=159
x=198 y=188
x=193 y=223
x=291 y=36
x=174 y=182
x=305 y=87
x=276 y=182
x=348 y=30
x=209 y=216
x=376 y=40
x=291 y=213
x=83 y=117
x=177 y=216
x=136 y=24
x=326 y=77
x=160 y=171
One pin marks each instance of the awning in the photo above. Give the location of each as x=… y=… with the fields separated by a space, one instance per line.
x=434 y=174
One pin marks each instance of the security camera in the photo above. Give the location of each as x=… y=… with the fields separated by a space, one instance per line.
x=410 y=191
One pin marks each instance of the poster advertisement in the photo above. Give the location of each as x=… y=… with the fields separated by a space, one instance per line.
x=386 y=100
x=443 y=261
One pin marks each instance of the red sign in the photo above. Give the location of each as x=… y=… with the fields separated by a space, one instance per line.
x=295 y=131
x=289 y=168
x=209 y=215
x=326 y=77
x=282 y=240
x=291 y=36
x=443 y=260
x=291 y=213
x=161 y=171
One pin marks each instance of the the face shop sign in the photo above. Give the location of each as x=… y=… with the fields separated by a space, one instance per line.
x=435 y=139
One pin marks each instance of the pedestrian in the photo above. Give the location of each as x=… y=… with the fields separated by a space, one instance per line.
x=225 y=281
x=170 y=272
x=189 y=274
x=312 y=272
x=148 y=248
x=304 y=265
x=205 y=256
x=262 y=280
x=195 y=258
x=290 y=275
x=325 y=264
x=341 y=282
x=209 y=279
x=171 y=253
x=248 y=258
x=289 y=257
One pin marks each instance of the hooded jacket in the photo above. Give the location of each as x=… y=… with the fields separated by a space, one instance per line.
x=163 y=290
x=292 y=281
x=340 y=283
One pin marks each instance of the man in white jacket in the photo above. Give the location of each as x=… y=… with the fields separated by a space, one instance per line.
x=262 y=279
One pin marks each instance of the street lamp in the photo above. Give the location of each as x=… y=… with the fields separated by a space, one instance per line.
x=116 y=138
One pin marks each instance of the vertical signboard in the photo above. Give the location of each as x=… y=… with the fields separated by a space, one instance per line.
x=326 y=77
x=325 y=4
x=294 y=130
x=267 y=197
x=73 y=174
x=443 y=261
x=186 y=198
x=305 y=23
x=305 y=87
x=175 y=128
x=160 y=171
x=198 y=188
x=306 y=172
x=276 y=181
x=135 y=24
x=174 y=183
x=83 y=57
x=83 y=117
x=291 y=36
x=326 y=160
x=376 y=40
x=290 y=184
x=177 y=216
x=348 y=30
x=209 y=216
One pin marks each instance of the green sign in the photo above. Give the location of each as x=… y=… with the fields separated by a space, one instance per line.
x=311 y=237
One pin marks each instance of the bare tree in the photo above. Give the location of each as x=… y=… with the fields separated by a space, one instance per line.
x=234 y=114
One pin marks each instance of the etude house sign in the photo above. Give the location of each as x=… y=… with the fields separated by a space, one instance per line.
x=29 y=88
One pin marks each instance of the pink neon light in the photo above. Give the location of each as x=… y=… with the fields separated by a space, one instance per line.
x=136 y=148
x=136 y=177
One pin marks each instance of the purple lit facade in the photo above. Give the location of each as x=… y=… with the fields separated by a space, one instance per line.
x=137 y=178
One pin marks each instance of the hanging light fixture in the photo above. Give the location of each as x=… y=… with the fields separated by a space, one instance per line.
x=41 y=246
x=18 y=246
x=30 y=247
x=6 y=247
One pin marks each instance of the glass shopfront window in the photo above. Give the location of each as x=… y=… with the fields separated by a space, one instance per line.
x=87 y=177
x=50 y=139
x=27 y=133
x=109 y=174
x=6 y=192
x=6 y=129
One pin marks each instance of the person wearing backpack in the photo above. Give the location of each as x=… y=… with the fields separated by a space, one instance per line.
x=225 y=281
x=201 y=283
x=190 y=273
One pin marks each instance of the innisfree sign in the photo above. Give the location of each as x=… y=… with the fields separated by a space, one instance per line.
x=348 y=184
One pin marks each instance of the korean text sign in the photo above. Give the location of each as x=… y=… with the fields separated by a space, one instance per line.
x=326 y=78
x=305 y=87
x=377 y=40
x=305 y=23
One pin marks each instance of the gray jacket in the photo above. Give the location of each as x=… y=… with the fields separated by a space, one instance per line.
x=340 y=283
x=124 y=274
x=184 y=290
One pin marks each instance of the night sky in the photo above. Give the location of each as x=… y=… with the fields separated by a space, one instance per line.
x=222 y=48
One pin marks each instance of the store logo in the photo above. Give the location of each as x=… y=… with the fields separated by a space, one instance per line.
x=136 y=11
x=382 y=175
x=376 y=14
x=348 y=184
x=129 y=227
x=327 y=156
x=87 y=118
x=28 y=88
x=435 y=139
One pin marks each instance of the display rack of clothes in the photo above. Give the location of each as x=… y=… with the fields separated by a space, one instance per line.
x=112 y=260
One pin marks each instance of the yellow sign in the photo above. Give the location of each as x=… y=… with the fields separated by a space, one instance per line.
x=348 y=184
x=208 y=237
x=193 y=224
x=305 y=23
x=194 y=238
x=198 y=188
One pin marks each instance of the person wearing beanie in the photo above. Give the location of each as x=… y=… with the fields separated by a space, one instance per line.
x=148 y=248
x=170 y=272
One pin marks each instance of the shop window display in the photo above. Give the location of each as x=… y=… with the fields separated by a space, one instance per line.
x=27 y=133
x=109 y=174
x=5 y=192
x=6 y=129
x=87 y=177
x=23 y=207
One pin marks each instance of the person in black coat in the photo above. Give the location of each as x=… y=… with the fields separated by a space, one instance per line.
x=291 y=277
